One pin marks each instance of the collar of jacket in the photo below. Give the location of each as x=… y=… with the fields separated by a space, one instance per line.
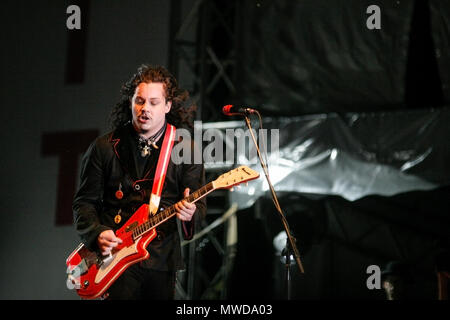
x=123 y=149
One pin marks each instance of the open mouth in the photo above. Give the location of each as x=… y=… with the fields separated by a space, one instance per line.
x=143 y=118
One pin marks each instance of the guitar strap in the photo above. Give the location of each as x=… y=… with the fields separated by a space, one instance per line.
x=161 y=168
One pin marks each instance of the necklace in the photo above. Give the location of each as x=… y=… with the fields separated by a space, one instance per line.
x=145 y=144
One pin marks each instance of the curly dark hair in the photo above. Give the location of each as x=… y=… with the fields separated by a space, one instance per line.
x=179 y=115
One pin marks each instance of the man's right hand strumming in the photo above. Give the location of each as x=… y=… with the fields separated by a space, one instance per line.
x=106 y=241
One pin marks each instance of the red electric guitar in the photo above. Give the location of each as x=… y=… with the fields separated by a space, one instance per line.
x=91 y=274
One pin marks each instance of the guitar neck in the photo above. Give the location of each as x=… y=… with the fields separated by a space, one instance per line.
x=168 y=213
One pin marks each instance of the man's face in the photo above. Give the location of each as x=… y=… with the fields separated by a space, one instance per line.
x=149 y=108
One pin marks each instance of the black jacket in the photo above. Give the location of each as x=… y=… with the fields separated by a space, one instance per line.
x=109 y=165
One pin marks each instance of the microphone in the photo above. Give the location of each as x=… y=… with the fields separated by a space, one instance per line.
x=230 y=110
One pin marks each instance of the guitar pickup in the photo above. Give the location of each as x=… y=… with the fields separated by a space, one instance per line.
x=131 y=226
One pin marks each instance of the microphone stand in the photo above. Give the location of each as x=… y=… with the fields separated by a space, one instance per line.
x=290 y=240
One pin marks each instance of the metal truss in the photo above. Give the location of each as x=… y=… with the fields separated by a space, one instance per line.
x=203 y=52
x=210 y=254
x=203 y=58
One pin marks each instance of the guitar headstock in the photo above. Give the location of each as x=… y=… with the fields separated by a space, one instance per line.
x=234 y=177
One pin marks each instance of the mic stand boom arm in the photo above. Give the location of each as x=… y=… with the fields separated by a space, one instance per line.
x=290 y=239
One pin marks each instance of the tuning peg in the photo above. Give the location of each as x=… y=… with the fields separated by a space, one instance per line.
x=246 y=184
x=231 y=189
x=238 y=186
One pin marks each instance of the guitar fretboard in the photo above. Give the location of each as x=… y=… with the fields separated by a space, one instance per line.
x=159 y=218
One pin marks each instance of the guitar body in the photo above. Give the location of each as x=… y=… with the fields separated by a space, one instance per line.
x=92 y=274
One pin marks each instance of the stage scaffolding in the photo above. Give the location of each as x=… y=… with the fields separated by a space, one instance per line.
x=203 y=46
